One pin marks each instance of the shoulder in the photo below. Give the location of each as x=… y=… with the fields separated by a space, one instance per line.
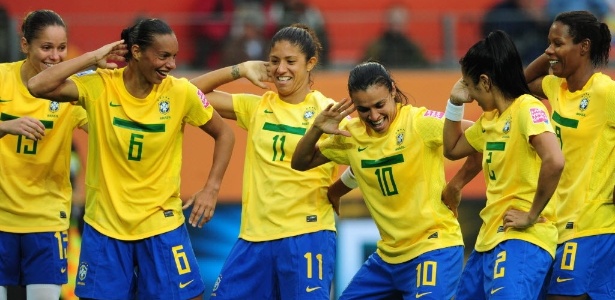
x=320 y=99
x=422 y=114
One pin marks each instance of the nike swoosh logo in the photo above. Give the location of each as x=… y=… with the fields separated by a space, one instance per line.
x=563 y=279
x=361 y=149
x=183 y=285
x=309 y=289
x=493 y=291
x=114 y=105
x=63 y=270
x=268 y=111
x=421 y=295
x=2 y=101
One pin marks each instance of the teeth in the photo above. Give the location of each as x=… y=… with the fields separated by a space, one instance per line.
x=378 y=122
x=553 y=62
x=283 y=78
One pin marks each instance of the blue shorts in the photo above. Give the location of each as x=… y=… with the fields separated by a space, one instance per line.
x=585 y=266
x=33 y=258
x=432 y=275
x=159 y=267
x=514 y=269
x=298 y=267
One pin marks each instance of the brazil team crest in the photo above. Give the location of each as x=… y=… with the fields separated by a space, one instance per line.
x=584 y=102
x=83 y=271
x=54 y=106
x=164 y=106
x=506 y=128
x=400 y=135
x=309 y=113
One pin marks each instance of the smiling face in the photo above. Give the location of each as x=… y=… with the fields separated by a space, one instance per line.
x=158 y=59
x=48 y=48
x=564 y=55
x=290 y=68
x=376 y=107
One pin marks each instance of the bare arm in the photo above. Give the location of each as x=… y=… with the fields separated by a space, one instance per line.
x=535 y=72
x=205 y=200
x=255 y=71
x=451 y=195
x=30 y=127
x=456 y=145
x=548 y=149
x=346 y=183
x=307 y=155
x=53 y=83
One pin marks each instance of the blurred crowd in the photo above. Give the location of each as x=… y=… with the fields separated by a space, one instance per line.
x=226 y=32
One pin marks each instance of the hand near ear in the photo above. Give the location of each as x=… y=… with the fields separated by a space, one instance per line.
x=106 y=54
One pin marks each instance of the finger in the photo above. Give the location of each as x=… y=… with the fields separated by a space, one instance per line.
x=39 y=126
x=188 y=203
x=206 y=218
x=197 y=213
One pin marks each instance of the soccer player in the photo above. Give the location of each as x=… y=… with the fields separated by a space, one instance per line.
x=395 y=152
x=582 y=100
x=35 y=142
x=135 y=242
x=522 y=164
x=286 y=245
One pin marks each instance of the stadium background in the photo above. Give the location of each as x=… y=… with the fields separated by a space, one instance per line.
x=444 y=29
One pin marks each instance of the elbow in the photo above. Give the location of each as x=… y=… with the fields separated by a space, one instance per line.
x=451 y=155
x=559 y=166
x=36 y=89
x=556 y=165
x=296 y=165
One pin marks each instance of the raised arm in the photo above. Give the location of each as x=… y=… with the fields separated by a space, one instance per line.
x=255 y=71
x=547 y=147
x=205 y=200
x=52 y=83
x=456 y=145
x=535 y=72
x=307 y=155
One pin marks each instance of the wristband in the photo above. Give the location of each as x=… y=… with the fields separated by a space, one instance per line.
x=348 y=179
x=453 y=112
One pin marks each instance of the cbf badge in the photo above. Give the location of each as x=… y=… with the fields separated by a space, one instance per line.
x=163 y=105
x=400 y=135
x=83 y=271
x=309 y=113
x=54 y=106
x=506 y=128
x=584 y=103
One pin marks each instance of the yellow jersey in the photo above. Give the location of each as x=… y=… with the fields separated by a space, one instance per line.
x=401 y=176
x=584 y=122
x=35 y=188
x=277 y=201
x=135 y=152
x=511 y=167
